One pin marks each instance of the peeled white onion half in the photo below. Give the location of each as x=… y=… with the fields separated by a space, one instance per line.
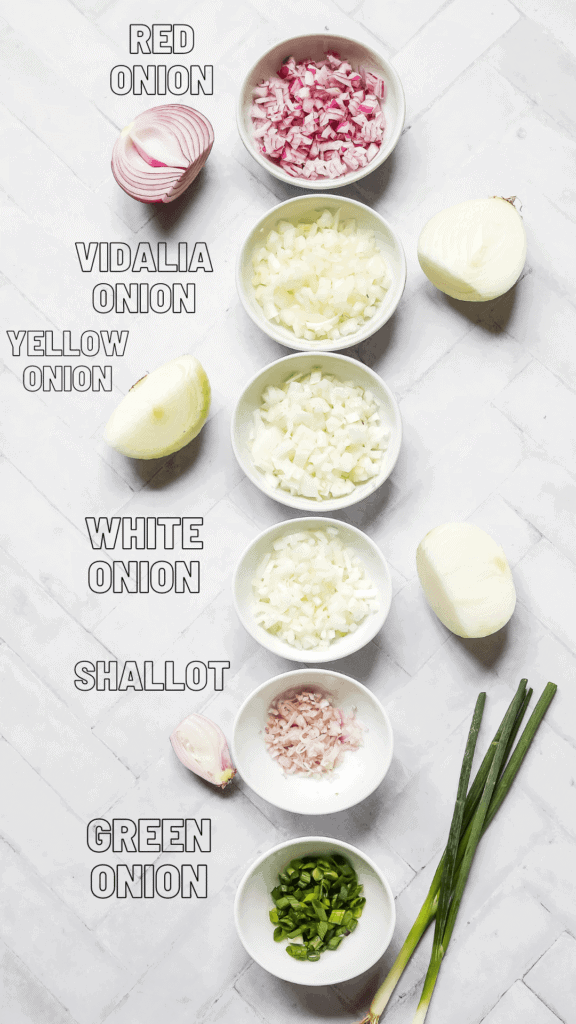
x=162 y=412
x=474 y=251
x=158 y=155
x=466 y=579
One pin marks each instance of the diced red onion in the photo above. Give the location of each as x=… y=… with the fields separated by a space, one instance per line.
x=159 y=154
x=294 y=113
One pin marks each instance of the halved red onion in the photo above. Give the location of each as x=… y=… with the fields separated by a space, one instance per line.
x=158 y=155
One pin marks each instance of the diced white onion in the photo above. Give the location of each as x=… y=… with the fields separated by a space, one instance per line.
x=311 y=589
x=318 y=437
x=323 y=279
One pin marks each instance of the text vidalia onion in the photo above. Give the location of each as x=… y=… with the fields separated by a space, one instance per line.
x=475 y=250
x=466 y=579
x=162 y=412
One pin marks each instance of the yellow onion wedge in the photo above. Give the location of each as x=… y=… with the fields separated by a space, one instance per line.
x=162 y=412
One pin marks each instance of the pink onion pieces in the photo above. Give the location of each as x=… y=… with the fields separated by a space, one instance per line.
x=159 y=154
x=319 y=120
x=306 y=733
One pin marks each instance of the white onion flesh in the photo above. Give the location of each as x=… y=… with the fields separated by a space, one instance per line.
x=474 y=251
x=162 y=412
x=311 y=589
x=318 y=437
x=466 y=579
x=323 y=279
x=158 y=155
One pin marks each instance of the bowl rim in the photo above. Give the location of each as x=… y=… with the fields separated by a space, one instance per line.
x=366 y=330
x=333 y=504
x=352 y=176
x=334 y=652
x=341 y=845
x=356 y=685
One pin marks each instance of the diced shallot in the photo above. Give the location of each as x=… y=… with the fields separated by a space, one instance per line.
x=305 y=733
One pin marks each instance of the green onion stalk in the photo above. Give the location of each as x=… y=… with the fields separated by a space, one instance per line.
x=471 y=818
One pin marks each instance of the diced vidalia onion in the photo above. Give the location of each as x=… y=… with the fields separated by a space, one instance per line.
x=162 y=412
x=311 y=589
x=466 y=579
x=322 y=279
x=475 y=250
x=318 y=437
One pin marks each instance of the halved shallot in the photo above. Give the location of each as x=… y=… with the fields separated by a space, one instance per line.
x=201 y=746
x=158 y=155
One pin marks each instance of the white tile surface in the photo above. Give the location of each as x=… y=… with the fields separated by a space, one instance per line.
x=447 y=45
x=488 y=397
x=553 y=978
x=519 y=1003
x=24 y=998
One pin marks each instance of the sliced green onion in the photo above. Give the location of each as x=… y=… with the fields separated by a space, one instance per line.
x=318 y=900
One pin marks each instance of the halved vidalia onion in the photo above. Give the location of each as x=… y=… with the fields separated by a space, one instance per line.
x=475 y=250
x=162 y=412
x=466 y=579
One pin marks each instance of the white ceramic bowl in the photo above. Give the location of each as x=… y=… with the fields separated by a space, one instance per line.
x=345 y=369
x=307 y=209
x=376 y=569
x=355 y=954
x=314 y=47
x=354 y=779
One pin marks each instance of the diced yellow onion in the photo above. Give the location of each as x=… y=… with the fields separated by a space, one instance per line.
x=318 y=437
